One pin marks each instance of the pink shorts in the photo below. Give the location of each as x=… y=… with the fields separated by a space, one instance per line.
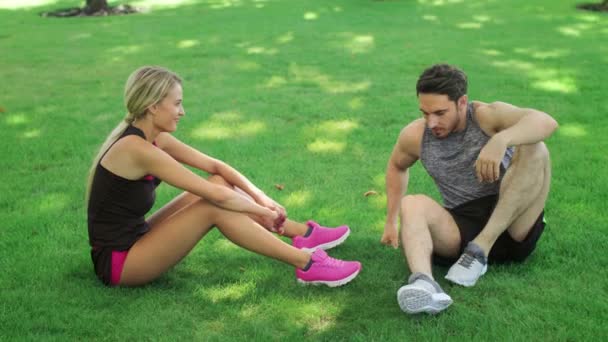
x=118 y=262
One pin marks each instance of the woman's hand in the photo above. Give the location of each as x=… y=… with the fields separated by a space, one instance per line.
x=273 y=221
x=281 y=214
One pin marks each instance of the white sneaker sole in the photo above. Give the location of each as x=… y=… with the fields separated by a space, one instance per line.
x=334 y=283
x=328 y=245
x=466 y=282
x=414 y=300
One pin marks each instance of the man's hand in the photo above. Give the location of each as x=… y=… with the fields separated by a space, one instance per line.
x=390 y=237
x=487 y=166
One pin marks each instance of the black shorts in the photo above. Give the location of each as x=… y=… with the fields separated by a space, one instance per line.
x=471 y=218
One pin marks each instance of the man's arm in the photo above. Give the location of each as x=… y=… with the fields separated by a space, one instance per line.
x=405 y=153
x=516 y=126
x=508 y=126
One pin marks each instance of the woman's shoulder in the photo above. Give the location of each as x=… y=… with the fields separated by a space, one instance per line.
x=124 y=158
x=164 y=139
x=133 y=143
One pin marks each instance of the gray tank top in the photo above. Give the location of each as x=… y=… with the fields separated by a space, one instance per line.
x=451 y=162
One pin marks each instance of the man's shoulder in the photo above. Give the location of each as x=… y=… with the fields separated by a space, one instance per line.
x=411 y=136
x=412 y=131
x=488 y=115
x=416 y=126
x=490 y=108
x=407 y=148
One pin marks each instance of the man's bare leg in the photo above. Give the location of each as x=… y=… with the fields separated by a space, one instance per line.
x=426 y=228
x=523 y=193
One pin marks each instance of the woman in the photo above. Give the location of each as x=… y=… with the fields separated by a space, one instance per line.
x=129 y=250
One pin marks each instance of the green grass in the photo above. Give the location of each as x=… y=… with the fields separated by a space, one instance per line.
x=312 y=95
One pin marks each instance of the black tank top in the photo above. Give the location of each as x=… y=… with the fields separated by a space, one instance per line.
x=117 y=206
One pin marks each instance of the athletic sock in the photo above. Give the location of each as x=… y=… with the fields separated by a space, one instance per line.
x=307 y=265
x=424 y=277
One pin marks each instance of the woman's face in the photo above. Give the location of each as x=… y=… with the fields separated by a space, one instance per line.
x=167 y=113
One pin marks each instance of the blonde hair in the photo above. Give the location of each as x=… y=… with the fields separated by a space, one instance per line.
x=145 y=87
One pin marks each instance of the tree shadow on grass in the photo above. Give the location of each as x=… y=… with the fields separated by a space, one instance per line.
x=594 y=7
x=366 y=306
x=88 y=12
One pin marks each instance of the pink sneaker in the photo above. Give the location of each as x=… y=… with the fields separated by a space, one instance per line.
x=327 y=270
x=321 y=237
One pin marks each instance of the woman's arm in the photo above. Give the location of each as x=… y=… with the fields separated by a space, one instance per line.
x=159 y=163
x=188 y=155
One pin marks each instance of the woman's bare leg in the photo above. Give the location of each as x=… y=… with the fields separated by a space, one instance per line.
x=178 y=203
x=173 y=237
x=292 y=228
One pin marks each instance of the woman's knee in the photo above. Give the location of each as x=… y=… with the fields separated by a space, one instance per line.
x=205 y=208
x=217 y=179
x=216 y=214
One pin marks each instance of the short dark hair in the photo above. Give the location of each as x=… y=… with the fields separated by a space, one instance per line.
x=442 y=79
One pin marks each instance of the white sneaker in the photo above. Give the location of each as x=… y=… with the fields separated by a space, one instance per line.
x=471 y=265
x=422 y=294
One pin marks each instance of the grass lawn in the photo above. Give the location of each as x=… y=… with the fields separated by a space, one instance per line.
x=312 y=95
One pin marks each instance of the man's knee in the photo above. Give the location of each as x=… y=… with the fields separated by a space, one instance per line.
x=532 y=153
x=413 y=204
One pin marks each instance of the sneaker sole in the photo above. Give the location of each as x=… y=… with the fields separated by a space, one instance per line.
x=334 y=283
x=467 y=283
x=328 y=245
x=416 y=300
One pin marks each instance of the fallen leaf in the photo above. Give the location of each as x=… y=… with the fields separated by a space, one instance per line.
x=2 y=110
x=279 y=186
x=370 y=193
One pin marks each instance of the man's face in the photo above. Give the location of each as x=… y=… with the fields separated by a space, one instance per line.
x=442 y=116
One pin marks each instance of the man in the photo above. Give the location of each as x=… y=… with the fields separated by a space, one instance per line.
x=493 y=172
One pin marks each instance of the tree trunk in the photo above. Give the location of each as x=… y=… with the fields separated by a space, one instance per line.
x=94 y=6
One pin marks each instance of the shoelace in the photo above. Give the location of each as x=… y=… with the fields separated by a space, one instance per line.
x=334 y=263
x=466 y=260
